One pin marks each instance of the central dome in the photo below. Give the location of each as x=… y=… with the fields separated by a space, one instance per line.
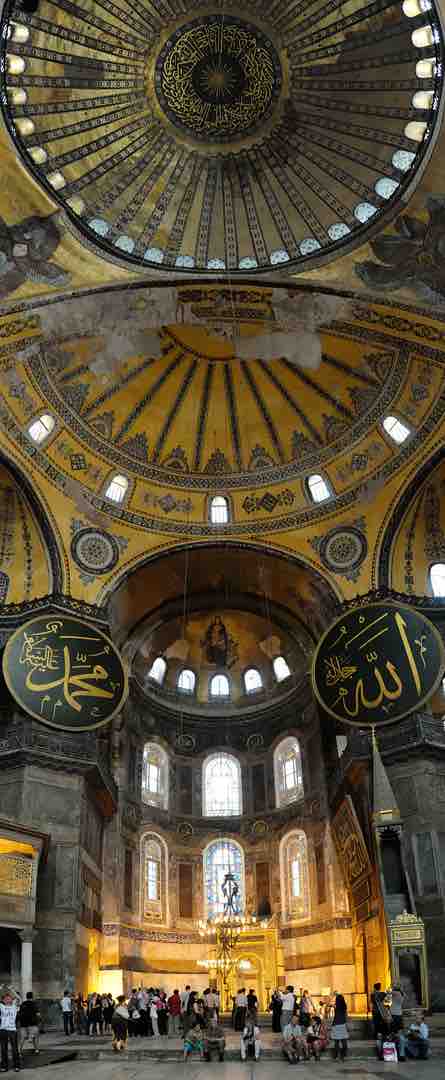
x=217 y=78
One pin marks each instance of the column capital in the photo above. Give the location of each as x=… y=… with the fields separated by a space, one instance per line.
x=27 y=935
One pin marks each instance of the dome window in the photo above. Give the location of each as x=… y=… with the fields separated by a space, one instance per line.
x=15 y=64
x=219 y=686
x=38 y=155
x=281 y=669
x=185 y=260
x=252 y=681
x=186 y=681
x=426 y=69
x=437 y=579
x=364 y=211
x=385 y=187
x=77 y=204
x=423 y=99
x=99 y=226
x=157 y=670
x=280 y=256
x=318 y=488
x=397 y=431
x=309 y=245
x=338 y=230
x=125 y=243
x=247 y=263
x=415 y=130
x=412 y=8
x=18 y=96
x=154 y=254
x=219 y=510
x=25 y=127
x=41 y=428
x=403 y=159
x=117 y=489
x=216 y=264
x=57 y=180
x=424 y=36
x=19 y=33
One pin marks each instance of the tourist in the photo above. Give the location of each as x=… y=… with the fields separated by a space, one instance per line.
x=193 y=1041
x=339 y=1030
x=294 y=1044
x=80 y=1015
x=119 y=1024
x=217 y=1002
x=107 y=1012
x=240 y=1009
x=288 y=1006
x=250 y=1038
x=276 y=1005
x=252 y=1002
x=142 y=1002
x=154 y=1015
x=214 y=1039
x=95 y=1015
x=316 y=1037
x=381 y=1017
x=174 y=1012
x=9 y=1008
x=29 y=1018
x=397 y=997
x=66 y=1006
x=306 y=1009
x=162 y=1006
x=184 y=995
x=416 y=1042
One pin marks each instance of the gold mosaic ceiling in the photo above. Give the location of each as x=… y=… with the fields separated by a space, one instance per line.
x=213 y=141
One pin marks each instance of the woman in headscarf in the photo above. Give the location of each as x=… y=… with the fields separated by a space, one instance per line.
x=339 y=1030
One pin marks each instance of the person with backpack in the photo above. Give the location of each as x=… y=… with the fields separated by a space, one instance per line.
x=29 y=1019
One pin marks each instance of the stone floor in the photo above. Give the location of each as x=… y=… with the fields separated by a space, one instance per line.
x=195 y=1070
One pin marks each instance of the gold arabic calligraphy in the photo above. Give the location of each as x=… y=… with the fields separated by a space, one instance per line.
x=41 y=656
x=390 y=685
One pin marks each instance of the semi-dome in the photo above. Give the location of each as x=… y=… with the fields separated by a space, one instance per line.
x=219 y=142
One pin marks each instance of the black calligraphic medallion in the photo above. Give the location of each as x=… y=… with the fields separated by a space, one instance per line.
x=377 y=663
x=65 y=672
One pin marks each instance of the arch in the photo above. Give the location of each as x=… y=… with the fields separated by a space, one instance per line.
x=186 y=681
x=219 y=686
x=396 y=516
x=288 y=771
x=158 y=670
x=221 y=786
x=219 y=510
x=253 y=681
x=281 y=668
x=294 y=870
x=154 y=788
x=219 y=858
x=154 y=878
x=46 y=527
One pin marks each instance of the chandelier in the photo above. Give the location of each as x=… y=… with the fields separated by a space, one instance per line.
x=225 y=932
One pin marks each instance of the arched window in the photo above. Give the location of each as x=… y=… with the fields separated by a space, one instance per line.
x=294 y=876
x=221 y=786
x=157 y=670
x=155 y=776
x=41 y=428
x=219 y=510
x=153 y=878
x=397 y=431
x=437 y=578
x=186 y=681
x=220 y=686
x=117 y=489
x=281 y=668
x=288 y=772
x=318 y=488
x=252 y=680
x=220 y=858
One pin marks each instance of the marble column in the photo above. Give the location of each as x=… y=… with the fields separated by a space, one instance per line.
x=26 y=937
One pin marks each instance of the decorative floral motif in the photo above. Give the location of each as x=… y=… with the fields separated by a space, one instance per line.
x=168 y=503
x=94 y=551
x=413 y=258
x=185 y=742
x=343 y=549
x=268 y=501
x=255 y=741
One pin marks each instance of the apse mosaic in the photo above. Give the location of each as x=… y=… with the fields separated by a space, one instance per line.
x=223 y=143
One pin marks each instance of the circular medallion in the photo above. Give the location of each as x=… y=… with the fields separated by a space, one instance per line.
x=343 y=550
x=94 y=551
x=217 y=78
x=65 y=672
x=377 y=663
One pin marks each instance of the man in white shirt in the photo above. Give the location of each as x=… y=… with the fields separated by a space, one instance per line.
x=184 y=996
x=8 y=1032
x=250 y=1038
x=288 y=1006
x=66 y=1006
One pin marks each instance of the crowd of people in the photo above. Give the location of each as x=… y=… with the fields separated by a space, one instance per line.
x=305 y=1028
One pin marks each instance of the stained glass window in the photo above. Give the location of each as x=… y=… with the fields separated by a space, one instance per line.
x=220 y=858
x=222 y=786
x=288 y=772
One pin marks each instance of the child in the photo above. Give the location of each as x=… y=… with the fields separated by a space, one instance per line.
x=8 y=1032
x=193 y=1041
